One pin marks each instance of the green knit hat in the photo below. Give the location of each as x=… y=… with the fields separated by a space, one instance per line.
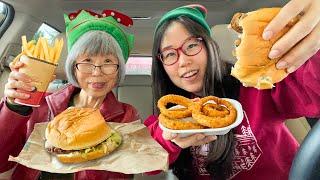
x=83 y=21
x=195 y=12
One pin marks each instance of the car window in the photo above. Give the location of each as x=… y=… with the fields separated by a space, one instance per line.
x=46 y=31
x=139 y=65
x=3 y=12
x=6 y=17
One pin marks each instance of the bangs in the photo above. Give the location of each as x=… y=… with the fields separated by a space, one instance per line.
x=93 y=45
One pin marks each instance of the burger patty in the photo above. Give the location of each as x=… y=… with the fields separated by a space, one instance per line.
x=56 y=150
x=114 y=137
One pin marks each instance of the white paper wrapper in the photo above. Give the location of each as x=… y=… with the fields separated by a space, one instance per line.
x=138 y=153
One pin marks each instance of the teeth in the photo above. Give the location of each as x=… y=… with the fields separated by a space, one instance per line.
x=191 y=73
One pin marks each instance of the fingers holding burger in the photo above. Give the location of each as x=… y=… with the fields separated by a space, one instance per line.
x=253 y=67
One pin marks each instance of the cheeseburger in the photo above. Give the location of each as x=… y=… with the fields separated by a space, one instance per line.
x=253 y=67
x=80 y=134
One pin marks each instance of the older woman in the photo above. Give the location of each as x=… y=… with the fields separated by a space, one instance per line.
x=98 y=49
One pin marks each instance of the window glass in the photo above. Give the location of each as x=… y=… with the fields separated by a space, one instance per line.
x=3 y=12
x=46 y=31
x=139 y=65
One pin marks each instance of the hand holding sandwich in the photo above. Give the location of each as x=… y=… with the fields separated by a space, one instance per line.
x=302 y=41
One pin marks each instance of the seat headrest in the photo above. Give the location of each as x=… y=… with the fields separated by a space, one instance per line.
x=60 y=69
x=225 y=38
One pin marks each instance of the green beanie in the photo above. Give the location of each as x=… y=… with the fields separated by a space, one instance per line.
x=195 y=12
x=83 y=21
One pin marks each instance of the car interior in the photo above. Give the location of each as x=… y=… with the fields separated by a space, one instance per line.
x=34 y=17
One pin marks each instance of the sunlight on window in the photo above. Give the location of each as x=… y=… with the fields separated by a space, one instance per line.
x=139 y=65
x=46 y=31
x=3 y=11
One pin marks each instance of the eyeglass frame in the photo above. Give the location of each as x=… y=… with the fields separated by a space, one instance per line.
x=76 y=65
x=180 y=48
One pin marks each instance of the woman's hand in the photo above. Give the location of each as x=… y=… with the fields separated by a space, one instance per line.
x=17 y=81
x=192 y=140
x=302 y=41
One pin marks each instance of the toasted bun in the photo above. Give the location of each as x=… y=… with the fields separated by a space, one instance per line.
x=77 y=128
x=253 y=67
x=103 y=149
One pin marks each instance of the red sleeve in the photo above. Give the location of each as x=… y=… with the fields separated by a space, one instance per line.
x=299 y=94
x=131 y=114
x=156 y=132
x=12 y=135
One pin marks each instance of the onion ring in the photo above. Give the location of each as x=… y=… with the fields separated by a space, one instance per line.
x=175 y=99
x=215 y=121
x=178 y=124
x=213 y=110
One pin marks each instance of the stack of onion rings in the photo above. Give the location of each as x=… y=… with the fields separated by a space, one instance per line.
x=212 y=119
x=208 y=112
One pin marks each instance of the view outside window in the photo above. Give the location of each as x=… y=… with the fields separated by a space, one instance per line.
x=3 y=12
x=46 y=31
x=139 y=65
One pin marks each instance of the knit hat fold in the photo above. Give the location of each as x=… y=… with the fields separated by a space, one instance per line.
x=195 y=12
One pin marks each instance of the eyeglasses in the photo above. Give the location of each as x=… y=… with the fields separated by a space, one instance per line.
x=105 y=68
x=191 y=47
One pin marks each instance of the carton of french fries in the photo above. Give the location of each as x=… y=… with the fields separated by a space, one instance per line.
x=40 y=61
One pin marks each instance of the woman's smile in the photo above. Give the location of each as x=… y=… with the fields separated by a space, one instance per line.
x=190 y=75
x=97 y=85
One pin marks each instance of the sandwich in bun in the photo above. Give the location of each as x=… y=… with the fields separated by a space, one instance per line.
x=253 y=67
x=79 y=135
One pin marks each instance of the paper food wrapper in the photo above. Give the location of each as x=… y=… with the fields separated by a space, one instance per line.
x=138 y=153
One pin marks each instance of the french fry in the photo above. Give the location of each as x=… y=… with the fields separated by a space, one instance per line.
x=36 y=50
x=31 y=47
x=58 y=50
x=55 y=46
x=51 y=53
x=24 y=43
x=45 y=49
x=41 y=53
x=31 y=43
x=25 y=46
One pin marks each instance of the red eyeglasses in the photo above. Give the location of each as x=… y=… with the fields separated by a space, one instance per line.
x=190 y=47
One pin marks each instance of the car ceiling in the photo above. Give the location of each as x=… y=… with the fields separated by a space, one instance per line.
x=219 y=12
